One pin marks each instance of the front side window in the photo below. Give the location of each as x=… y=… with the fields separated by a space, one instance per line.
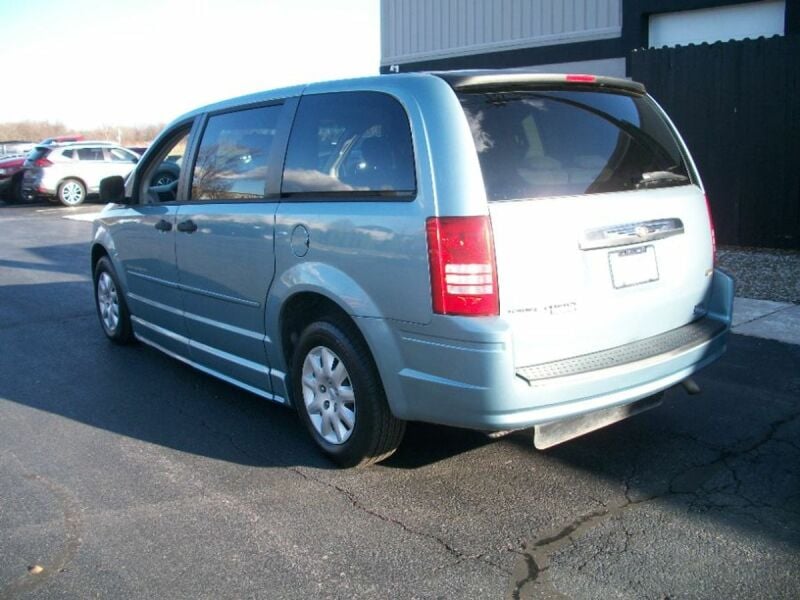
x=232 y=162
x=555 y=143
x=161 y=175
x=351 y=142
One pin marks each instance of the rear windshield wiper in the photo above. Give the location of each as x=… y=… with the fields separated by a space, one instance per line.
x=652 y=179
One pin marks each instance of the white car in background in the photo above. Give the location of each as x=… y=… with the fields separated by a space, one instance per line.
x=68 y=172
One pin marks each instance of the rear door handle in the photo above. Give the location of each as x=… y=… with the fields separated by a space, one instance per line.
x=164 y=225
x=187 y=226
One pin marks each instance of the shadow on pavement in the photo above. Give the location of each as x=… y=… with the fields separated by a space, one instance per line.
x=733 y=452
x=53 y=258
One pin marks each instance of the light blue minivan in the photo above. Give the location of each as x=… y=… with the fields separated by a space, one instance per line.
x=481 y=249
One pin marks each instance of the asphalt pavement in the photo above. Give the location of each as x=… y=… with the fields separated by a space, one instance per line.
x=126 y=474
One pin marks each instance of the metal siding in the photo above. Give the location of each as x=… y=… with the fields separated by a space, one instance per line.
x=413 y=30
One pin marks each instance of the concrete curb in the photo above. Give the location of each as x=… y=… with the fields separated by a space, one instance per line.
x=766 y=319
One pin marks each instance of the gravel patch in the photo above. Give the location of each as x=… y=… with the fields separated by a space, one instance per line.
x=763 y=273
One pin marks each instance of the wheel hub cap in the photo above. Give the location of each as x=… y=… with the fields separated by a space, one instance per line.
x=328 y=395
x=108 y=302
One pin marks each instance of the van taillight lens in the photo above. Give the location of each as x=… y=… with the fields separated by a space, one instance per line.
x=42 y=162
x=713 y=233
x=463 y=270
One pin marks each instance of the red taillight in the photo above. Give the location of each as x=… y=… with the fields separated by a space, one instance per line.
x=463 y=272
x=42 y=162
x=713 y=234
x=580 y=78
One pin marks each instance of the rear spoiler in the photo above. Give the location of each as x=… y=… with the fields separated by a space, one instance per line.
x=465 y=81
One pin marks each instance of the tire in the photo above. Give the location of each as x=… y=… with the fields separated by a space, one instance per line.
x=15 y=195
x=112 y=310
x=339 y=396
x=71 y=192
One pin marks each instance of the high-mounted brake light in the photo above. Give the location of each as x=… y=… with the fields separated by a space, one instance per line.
x=462 y=263
x=581 y=78
x=713 y=233
x=42 y=162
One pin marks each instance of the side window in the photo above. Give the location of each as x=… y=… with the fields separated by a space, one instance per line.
x=350 y=142
x=90 y=153
x=233 y=157
x=159 y=177
x=118 y=154
x=70 y=154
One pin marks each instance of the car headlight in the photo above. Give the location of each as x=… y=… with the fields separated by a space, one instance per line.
x=5 y=171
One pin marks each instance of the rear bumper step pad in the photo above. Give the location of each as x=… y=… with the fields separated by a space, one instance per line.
x=671 y=342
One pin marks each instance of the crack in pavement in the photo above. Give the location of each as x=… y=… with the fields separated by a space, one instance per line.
x=356 y=503
x=73 y=525
x=531 y=578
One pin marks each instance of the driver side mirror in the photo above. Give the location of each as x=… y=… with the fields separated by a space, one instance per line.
x=112 y=189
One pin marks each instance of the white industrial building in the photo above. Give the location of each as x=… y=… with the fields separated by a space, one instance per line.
x=594 y=36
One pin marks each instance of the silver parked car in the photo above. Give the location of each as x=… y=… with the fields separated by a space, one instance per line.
x=486 y=250
x=68 y=172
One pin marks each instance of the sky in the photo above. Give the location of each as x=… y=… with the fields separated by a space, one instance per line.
x=89 y=63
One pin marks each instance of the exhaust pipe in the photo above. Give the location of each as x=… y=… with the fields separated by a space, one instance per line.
x=691 y=387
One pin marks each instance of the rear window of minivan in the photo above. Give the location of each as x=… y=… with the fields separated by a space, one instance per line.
x=562 y=142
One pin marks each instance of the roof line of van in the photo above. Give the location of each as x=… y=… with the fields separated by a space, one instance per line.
x=469 y=80
x=242 y=101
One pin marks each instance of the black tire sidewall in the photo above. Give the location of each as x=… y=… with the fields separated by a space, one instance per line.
x=367 y=390
x=124 y=332
x=15 y=192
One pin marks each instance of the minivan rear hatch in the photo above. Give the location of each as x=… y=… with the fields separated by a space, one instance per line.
x=601 y=230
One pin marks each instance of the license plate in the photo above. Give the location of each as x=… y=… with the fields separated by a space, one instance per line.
x=633 y=266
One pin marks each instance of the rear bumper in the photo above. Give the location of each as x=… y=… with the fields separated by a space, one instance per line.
x=36 y=184
x=475 y=385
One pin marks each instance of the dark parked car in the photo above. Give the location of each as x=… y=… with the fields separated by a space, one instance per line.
x=11 y=172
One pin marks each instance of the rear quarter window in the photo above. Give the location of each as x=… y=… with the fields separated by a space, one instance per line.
x=557 y=143
x=350 y=143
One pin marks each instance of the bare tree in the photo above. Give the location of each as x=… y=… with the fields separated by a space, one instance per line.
x=137 y=135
